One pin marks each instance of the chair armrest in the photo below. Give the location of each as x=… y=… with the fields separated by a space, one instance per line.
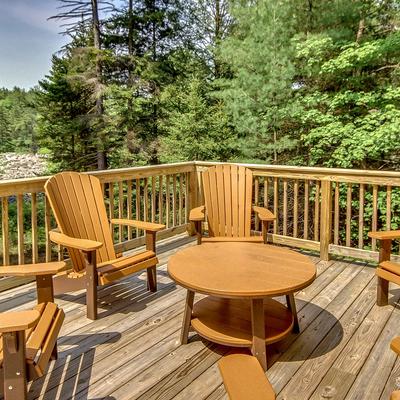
x=51 y=268
x=146 y=226
x=197 y=214
x=79 y=244
x=18 y=321
x=384 y=235
x=264 y=214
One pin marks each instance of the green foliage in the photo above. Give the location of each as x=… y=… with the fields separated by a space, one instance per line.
x=196 y=127
x=17 y=120
x=349 y=102
x=258 y=96
x=65 y=124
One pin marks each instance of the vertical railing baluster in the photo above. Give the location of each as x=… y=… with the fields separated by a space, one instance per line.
x=276 y=206
x=256 y=195
x=35 y=252
x=306 y=208
x=160 y=200
x=137 y=201
x=326 y=219
x=168 y=200
x=348 y=215
x=120 y=210
x=295 y=207
x=153 y=199
x=187 y=202
x=5 y=230
x=20 y=228
x=47 y=228
x=361 y=217
x=316 y=210
x=129 y=184
x=337 y=214
x=285 y=207
x=374 y=213
x=388 y=207
x=180 y=199
x=174 y=200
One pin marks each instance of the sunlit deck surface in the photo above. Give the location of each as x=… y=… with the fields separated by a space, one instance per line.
x=133 y=350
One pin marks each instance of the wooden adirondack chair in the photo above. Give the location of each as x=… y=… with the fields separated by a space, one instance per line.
x=387 y=270
x=78 y=205
x=29 y=338
x=228 y=206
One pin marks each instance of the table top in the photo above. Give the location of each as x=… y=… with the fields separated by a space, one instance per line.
x=247 y=270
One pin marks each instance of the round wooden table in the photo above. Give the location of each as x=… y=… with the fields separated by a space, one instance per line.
x=239 y=279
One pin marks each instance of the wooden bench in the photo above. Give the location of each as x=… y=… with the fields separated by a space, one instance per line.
x=244 y=378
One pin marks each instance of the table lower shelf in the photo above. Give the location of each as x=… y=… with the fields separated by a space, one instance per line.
x=228 y=321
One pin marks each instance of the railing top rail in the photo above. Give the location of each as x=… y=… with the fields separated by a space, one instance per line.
x=27 y=185
x=373 y=177
x=318 y=173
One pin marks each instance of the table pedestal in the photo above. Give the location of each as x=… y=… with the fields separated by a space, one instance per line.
x=241 y=322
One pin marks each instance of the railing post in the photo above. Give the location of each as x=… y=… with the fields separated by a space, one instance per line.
x=193 y=196
x=326 y=219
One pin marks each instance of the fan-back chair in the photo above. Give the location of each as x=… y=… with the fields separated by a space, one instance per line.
x=228 y=206
x=84 y=229
x=29 y=338
x=387 y=270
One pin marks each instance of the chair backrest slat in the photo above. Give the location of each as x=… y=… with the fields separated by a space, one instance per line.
x=228 y=200
x=78 y=205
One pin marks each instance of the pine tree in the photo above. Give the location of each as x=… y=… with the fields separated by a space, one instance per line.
x=258 y=96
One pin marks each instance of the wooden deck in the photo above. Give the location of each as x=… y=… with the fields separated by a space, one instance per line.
x=133 y=351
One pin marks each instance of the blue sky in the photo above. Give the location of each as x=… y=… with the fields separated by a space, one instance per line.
x=27 y=41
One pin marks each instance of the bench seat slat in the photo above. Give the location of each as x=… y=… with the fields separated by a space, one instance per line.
x=244 y=378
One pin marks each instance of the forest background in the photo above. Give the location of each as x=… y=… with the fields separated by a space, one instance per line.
x=300 y=82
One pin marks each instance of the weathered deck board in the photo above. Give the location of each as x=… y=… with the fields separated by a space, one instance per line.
x=133 y=352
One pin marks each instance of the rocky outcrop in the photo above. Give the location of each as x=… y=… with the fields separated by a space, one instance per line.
x=15 y=165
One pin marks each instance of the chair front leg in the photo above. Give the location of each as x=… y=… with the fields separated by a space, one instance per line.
x=152 y=279
x=265 y=228
x=14 y=366
x=382 y=288
x=382 y=292
x=198 y=229
x=91 y=285
x=151 y=271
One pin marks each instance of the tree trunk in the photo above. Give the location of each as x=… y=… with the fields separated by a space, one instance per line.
x=101 y=154
x=310 y=16
x=217 y=36
x=130 y=27
x=361 y=27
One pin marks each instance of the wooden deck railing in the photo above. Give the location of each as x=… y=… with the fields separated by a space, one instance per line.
x=322 y=209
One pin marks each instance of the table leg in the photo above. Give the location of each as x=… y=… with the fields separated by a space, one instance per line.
x=187 y=317
x=44 y=288
x=258 y=331
x=291 y=303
